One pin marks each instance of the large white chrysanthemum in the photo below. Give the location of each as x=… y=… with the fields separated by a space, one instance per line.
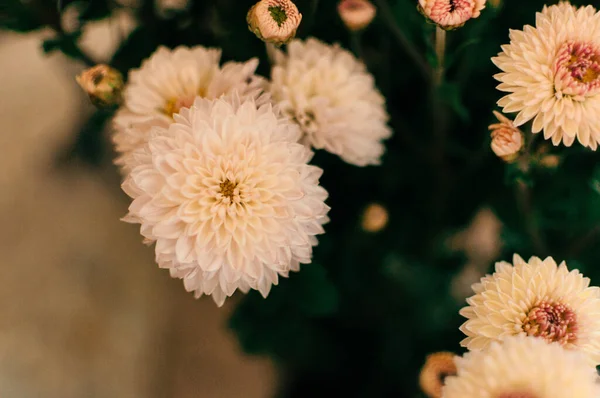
x=329 y=93
x=170 y=80
x=536 y=298
x=227 y=195
x=522 y=367
x=552 y=74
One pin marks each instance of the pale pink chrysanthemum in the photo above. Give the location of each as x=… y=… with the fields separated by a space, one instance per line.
x=451 y=14
x=551 y=73
x=333 y=98
x=522 y=367
x=507 y=140
x=170 y=80
x=536 y=298
x=356 y=14
x=274 y=21
x=227 y=195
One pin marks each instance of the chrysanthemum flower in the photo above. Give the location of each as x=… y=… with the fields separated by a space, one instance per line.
x=170 y=80
x=451 y=14
x=535 y=298
x=329 y=93
x=437 y=368
x=227 y=195
x=274 y=21
x=551 y=73
x=522 y=367
x=507 y=140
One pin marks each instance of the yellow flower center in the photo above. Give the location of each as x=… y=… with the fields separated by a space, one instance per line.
x=174 y=105
x=227 y=189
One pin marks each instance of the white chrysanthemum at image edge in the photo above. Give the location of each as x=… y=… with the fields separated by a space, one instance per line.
x=170 y=80
x=552 y=74
x=227 y=195
x=522 y=367
x=536 y=298
x=329 y=93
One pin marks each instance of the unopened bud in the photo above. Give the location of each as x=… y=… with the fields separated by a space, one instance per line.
x=507 y=140
x=550 y=161
x=356 y=14
x=375 y=218
x=103 y=84
x=451 y=14
x=437 y=367
x=274 y=21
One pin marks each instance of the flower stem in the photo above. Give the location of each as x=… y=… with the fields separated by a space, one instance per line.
x=440 y=52
x=525 y=204
x=388 y=17
x=355 y=44
x=439 y=130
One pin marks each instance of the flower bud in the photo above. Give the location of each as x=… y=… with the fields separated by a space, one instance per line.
x=451 y=14
x=274 y=21
x=550 y=161
x=375 y=218
x=507 y=140
x=103 y=84
x=356 y=14
x=437 y=367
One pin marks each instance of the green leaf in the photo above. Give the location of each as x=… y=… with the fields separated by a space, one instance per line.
x=451 y=95
x=65 y=43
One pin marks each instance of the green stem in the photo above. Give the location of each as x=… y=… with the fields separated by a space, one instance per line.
x=355 y=44
x=440 y=52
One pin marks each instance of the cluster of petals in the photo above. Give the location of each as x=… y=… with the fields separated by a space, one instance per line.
x=551 y=74
x=537 y=298
x=332 y=97
x=171 y=80
x=522 y=367
x=227 y=196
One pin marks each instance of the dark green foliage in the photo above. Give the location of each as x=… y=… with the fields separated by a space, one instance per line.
x=359 y=321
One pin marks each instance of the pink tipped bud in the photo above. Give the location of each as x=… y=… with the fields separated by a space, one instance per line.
x=103 y=84
x=356 y=14
x=274 y=21
x=451 y=14
x=507 y=140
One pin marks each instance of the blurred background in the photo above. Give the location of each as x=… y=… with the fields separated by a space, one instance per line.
x=86 y=313
x=84 y=310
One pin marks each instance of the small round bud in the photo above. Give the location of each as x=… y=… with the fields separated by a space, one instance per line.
x=375 y=218
x=356 y=14
x=507 y=140
x=103 y=84
x=274 y=21
x=549 y=161
x=451 y=14
x=437 y=367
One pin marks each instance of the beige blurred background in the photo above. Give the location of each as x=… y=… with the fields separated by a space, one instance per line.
x=84 y=310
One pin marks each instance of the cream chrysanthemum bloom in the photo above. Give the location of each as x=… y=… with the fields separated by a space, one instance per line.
x=552 y=74
x=522 y=367
x=536 y=298
x=329 y=93
x=227 y=195
x=170 y=80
